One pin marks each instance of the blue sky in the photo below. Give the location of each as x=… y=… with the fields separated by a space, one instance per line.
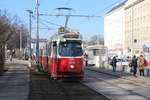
x=87 y=26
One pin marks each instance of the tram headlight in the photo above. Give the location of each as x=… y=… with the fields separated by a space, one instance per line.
x=72 y=66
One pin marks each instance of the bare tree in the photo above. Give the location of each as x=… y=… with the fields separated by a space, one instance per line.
x=4 y=26
x=10 y=28
x=96 y=39
x=14 y=42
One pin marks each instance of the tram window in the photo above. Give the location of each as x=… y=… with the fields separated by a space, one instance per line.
x=49 y=48
x=96 y=52
x=55 y=51
x=70 y=49
x=49 y=51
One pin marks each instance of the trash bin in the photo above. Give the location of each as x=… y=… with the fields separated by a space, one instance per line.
x=124 y=68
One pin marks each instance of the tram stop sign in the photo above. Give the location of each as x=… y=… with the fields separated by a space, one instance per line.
x=145 y=48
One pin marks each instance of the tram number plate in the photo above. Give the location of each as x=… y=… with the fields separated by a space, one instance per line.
x=71 y=61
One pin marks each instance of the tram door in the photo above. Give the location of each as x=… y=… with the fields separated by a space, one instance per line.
x=54 y=60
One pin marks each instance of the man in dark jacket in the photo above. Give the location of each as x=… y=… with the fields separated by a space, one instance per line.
x=114 y=63
x=134 y=65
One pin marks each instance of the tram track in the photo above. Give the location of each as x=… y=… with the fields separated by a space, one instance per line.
x=61 y=87
x=44 y=89
x=74 y=90
x=106 y=79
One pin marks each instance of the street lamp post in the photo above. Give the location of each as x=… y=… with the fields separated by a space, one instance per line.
x=30 y=31
x=20 y=44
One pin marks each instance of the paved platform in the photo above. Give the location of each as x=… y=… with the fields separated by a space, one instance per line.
x=14 y=84
x=143 y=79
x=124 y=86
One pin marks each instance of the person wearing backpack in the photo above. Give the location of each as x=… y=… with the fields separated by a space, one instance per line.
x=145 y=62
x=114 y=63
x=134 y=65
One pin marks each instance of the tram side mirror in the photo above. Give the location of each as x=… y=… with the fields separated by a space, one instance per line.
x=54 y=44
x=65 y=44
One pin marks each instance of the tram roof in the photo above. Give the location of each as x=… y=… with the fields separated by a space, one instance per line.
x=63 y=36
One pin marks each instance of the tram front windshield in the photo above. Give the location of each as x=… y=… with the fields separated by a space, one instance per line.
x=70 y=49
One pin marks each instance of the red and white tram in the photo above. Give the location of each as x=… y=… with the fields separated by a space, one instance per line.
x=65 y=55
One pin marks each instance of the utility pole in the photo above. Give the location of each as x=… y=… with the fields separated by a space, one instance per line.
x=30 y=31
x=37 y=35
x=20 y=44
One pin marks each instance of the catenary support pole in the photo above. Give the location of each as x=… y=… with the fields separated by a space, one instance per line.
x=37 y=35
x=30 y=32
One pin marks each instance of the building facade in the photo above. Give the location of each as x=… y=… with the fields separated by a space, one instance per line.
x=114 y=30
x=137 y=27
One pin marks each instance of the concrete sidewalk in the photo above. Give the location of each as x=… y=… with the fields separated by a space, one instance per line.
x=14 y=84
x=142 y=79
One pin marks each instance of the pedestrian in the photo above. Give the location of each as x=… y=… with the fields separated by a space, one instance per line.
x=134 y=65
x=13 y=53
x=86 y=59
x=114 y=63
x=10 y=55
x=141 y=65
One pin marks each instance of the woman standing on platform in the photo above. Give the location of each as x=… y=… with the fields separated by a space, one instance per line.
x=141 y=65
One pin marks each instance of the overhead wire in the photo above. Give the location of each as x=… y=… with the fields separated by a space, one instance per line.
x=43 y=21
x=51 y=23
x=48 y=22
x=45 y=34
x=108 y=7
x=47 y=27
x=67 y=2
